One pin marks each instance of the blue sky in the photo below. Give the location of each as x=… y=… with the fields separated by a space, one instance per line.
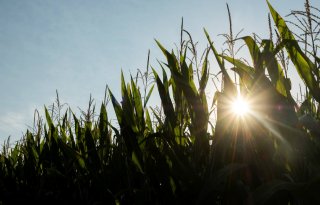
x=78 y=46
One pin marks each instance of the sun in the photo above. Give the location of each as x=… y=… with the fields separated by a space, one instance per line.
x=240 y=106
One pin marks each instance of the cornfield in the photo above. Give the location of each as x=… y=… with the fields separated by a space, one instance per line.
x=175 y=154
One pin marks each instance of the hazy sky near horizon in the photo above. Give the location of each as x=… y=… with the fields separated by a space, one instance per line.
x=79 y=46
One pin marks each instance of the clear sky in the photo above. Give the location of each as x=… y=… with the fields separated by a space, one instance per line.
x=79 y=46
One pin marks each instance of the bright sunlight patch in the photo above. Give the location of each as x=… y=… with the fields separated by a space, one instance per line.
x=240 y=106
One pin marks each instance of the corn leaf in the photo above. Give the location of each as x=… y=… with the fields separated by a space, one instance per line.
x=229 y=86
x=103 y=126
x=137 y=101
x=255 y=54
x=204 y=74
x=166 y=101
x=275 y=71
x=303 y=64
x=148 y=96
x=117 y=107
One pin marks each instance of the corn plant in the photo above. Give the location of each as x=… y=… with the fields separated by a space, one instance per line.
x=269 y=156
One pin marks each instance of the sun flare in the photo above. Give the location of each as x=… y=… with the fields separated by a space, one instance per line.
x=240 y=106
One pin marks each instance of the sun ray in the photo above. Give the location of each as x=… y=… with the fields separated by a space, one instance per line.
x=240 y=106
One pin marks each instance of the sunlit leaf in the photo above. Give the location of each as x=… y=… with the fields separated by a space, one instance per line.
x=306 y=69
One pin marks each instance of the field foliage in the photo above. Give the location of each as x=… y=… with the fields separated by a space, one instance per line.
x=173 y=153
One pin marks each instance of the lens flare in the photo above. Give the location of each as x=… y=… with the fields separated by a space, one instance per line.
x=240 y=106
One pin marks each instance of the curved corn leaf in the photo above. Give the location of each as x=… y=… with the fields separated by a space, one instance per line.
x=245 y=72
x=172 y=61
x=48 y=118
x=157 y=116
x=275 y=71
x=148 y=121
x=182 y=78
x=103 y=126
x=127 y=105
x=185 y=82
x=228 y=84
x=93 y=157
x=245 y=69
x=166 y=101
x=137 y=103
x=148 y=96
x=136 y=161
x=306 y=69
x=117 y=107
x=255 y=54
x=204 y=74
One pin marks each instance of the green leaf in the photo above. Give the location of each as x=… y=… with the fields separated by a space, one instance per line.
x=244 y=69
x=275 y=71
x=103 y=125
x=136 y=161
x=117 y=107
x=172 y=61
x=173 y=185
x=48 y=118
x=166 y=101
x=72 y=154
x=228 y=84
x=148 y=96
x=127 y=103
x=305 y=68
x=91 y=147
x=255 y=54
x=137 y=104
x=204 y=73
x=148 y=121
x=157 y=116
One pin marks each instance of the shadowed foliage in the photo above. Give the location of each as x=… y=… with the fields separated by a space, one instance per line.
x=168 y=154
